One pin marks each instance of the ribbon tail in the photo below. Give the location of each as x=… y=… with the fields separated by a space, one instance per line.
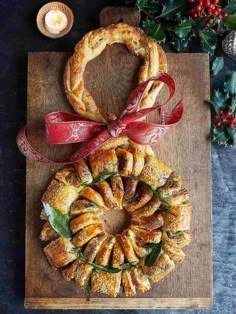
x=171 y=117
x=149 y=133
x=135 y=98
x=28 y=151
x=133 y=114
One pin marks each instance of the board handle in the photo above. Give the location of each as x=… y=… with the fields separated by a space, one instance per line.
x=113 y=15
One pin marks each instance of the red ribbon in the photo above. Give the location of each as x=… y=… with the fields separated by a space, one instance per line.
x=65 y=128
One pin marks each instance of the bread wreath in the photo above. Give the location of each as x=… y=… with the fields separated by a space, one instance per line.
x=119 y=175
x=92 y=45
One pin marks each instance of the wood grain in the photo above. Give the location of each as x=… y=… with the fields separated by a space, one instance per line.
x=113 y=15
x=106 y=303
x=186 y=149
x=110 y=78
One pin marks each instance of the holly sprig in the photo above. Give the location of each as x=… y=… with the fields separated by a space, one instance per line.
x=223 y=103
x=179 y=21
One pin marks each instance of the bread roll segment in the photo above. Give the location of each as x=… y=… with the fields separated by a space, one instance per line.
x=92 y=45
x=159 y=210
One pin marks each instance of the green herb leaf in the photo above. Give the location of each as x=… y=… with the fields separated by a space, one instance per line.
x=154 y=30
x=104 y=177
x=129 y=266
x=208 y=39
x=58 y=220
x=158 y=195
x=153 y=255
x=180 y=44
x=132 y=199
x=151 y=6
x=217 y=65
x=230 y=21
x=183 y=29
x=107 y=269
x=230 y=83
x=171 y=8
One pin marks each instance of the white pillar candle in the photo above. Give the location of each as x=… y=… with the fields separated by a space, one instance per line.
x=55 y=21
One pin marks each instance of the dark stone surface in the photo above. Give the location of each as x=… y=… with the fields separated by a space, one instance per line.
x=18 y=34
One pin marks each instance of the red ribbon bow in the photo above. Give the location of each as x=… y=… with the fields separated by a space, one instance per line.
x=65 y=128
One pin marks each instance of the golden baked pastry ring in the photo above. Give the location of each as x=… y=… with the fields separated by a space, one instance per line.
x=92 y=45
x=120 y=175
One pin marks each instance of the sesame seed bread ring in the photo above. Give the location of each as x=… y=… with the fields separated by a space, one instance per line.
x=160 y=217
x=92 y=45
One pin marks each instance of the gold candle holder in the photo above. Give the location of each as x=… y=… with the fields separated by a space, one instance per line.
x=40 y=20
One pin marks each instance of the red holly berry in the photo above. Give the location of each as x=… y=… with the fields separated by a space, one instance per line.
x=209 y=11
x=225 y=14
x=191 y=11
x=218 y=124
x=200 y=3
x=221 y=111
x=207 y=4
x=218 y=9
x=191 y=1
x=230 y=125
x=195 y=15
x=219 y=16
x=215 y=116
x=215 y=2
x=228 y=113
x=224 y=120
x=198 y=8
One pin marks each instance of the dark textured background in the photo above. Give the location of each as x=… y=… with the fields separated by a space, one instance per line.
x=18 y=35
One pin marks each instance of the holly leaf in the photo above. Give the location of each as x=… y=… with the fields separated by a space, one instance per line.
x=180 y=44
x=154 y=30
x=171 y=8
x=217 y=65
x=218 y=100
x=230 y=8
x=220 y=136
x=208 y=39
x=232 y=135
x=232 y=106
x=183 y=29
x=58 y=220
x=230 y=22
x=201 y=22
x=230 y=83
x=151 y=6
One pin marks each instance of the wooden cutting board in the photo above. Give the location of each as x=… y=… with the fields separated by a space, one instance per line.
x=110 y=78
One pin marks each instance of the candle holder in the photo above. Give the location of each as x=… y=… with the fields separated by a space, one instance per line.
x=54 y=6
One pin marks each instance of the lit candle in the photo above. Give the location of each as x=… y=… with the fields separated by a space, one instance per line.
x=55 y=21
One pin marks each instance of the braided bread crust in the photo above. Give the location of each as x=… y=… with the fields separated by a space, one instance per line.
x=160 y=217
x=92 y=45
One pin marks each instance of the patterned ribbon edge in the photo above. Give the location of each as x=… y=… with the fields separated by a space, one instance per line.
x=65 y=128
